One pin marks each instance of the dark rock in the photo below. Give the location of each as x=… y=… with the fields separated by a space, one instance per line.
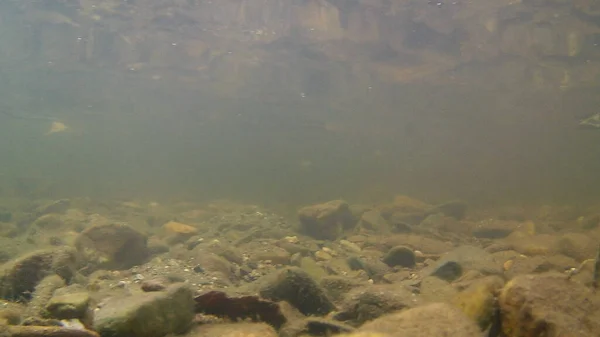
x=19 y=278
x=297 y=288
x=112 y=246
x=220 y=304
x=400 y=256
x=314 y=326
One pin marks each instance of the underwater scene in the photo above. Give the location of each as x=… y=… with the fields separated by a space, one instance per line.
x=298 y=168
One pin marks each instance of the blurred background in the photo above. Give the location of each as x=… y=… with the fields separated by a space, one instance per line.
x=285 y=102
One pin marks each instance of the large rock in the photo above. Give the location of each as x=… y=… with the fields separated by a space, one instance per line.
x=154 y=314
x=326 y=221
x=453 y=264
x=437 y=319
x=298 y=288
x=112 y=246
x=19 y=278
x=367 y=303
x=549 y=305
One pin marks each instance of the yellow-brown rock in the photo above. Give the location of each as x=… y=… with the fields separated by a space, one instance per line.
x=234 y=330
x=478 y=300
x=436 y=319
x=549 y=305
x=174 y=227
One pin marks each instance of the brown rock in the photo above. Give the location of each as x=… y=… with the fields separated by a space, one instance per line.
x=326 y=221
x=234 y=330
x=112 y=246
x=436 y=319
x=549 y=305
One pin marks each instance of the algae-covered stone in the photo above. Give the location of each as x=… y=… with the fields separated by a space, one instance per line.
x=69 y=306
x=19 y=278
x=400 y=256
x=549 y=305
x=326 y=221
x=154 y=314
x=299 y=289
x=478 y=301
x=112 y=246
x=453 y=264
x=370 y=302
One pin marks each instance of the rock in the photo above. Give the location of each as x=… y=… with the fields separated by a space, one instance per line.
x=19 y=278
x=578 y=246
x=436 y=319
x=326 y=221
x=522 y=264
x=242 y=329
x=11 y=313
x=455 y=209
x=153 y=314
x=494 y=229
x=314 y=326
x=403 y=205
x=153 y=285
x=373 y=267
x=276 y=255
x=541 y=244
x=47 y=331
x=417 y=242
x=372 y=221
x=337 y=287
x=451 y=265
x=55 y=206
x=312 y=268
x=241 y=306
x=177 y=232
x=69 y=306
x=112 y=246
x=400 y=256
x=549 y=305
x=42 y=294
x=478 y=301
x=299 y=289
x=49 y=221
x=366 y=303
x=435 y=289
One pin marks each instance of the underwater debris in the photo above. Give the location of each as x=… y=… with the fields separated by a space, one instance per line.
x=592 y=122
x=56 y=127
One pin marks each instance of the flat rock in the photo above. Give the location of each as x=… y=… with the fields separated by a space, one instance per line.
x=154 y=314
x=436 y=319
